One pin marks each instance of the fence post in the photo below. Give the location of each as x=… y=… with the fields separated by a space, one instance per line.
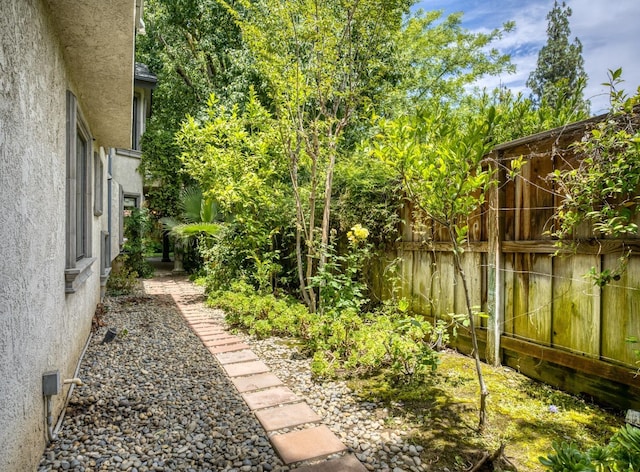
x=495 y=282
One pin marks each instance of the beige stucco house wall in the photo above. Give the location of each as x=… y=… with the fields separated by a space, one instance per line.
x=48 y=293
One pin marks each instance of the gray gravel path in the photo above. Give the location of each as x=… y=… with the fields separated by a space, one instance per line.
x=155 y=399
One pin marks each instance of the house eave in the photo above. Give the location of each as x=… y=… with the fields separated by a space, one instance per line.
x=97 y=39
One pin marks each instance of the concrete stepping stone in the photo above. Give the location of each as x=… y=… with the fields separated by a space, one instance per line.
x=347 y=463
x=270 y=397
x=221 y=341
x=235 y=357
x=286 y=416
x=227 y=348
x=218 y=335
x=256 y=382
x=307 y=444
x=245 y=368
x=209 y=331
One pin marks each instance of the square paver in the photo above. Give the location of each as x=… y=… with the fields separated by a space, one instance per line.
x=256 y=382
x=245 y=368
x=237 y=356
x=307 y=444
x=227 y=348
x=270 y=397
x=286 y=416
x=347 y=463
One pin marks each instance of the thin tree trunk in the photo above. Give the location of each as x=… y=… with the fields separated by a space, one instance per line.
x=327 y=209
x=311 y=233
x=484 y=393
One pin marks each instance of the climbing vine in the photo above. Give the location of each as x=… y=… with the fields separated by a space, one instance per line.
x=601 y=190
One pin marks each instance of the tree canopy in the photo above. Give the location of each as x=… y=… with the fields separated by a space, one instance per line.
x=560 y=68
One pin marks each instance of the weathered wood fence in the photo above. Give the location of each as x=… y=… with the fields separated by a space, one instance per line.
x=545 y=318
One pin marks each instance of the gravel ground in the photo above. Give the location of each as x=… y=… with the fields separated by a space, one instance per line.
x=155 y=399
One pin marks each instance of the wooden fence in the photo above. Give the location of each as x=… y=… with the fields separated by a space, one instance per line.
x=545 y=318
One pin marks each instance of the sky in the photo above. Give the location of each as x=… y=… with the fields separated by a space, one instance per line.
x=608 y=30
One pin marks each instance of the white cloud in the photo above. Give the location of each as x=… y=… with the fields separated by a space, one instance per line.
x=606 y=28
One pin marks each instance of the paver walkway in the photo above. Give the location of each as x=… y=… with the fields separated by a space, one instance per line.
x=292 y=426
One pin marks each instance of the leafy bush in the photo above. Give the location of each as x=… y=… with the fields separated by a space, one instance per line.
x=342 y=340
x=122 y=280
x=622 y=454
x=261 y=315
x=136 y=226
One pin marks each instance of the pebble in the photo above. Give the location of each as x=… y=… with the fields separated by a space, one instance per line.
x=157 y=400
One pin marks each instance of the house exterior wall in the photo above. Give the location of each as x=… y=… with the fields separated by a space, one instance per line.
x=42 y=328
x=125 y=171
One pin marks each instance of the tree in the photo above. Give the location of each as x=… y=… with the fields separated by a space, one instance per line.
x=439 y=153
x=317 y=58
x=195 y=49
x=234 y=156
x=559 y=70
x=438 y=58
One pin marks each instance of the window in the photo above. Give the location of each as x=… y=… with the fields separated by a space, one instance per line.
x=78 y=200
x=136 y=131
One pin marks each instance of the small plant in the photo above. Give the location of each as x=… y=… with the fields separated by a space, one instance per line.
x=123 y=279
x=622 y=454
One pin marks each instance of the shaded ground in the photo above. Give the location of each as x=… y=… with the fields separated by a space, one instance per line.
x=442 y=415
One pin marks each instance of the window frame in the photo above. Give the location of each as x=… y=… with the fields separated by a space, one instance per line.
x=78 y=266
x=98 y=185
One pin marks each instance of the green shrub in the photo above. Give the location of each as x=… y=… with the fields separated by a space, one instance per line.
x=261 y=315
x=136 y=225
x=622 y=454
x=341 y=341
x=122 y=280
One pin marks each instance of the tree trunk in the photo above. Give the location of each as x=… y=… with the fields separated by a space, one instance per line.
x=328 y=187
x=484 y=393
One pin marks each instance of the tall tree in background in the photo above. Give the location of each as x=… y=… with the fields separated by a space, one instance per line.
x=195 y=49
x=559 y=72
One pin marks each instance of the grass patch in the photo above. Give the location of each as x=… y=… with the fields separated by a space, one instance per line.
x=440 y=413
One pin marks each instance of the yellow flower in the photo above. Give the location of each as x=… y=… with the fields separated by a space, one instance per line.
x=358 y=233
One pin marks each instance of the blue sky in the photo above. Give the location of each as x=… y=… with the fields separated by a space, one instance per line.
x=608 y=30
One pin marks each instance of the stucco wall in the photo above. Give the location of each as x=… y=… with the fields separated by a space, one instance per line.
x=125 y=172
x=41 y=328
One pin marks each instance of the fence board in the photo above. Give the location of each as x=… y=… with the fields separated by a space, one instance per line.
x=574 y=325
x=622 y=301
x=422 y=282
x=444 y=286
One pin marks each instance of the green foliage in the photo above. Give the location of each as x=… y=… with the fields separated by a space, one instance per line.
x=621 y=454
x=366 y=193
x=234 y=155
x=560 y=65
x=601 y=189
x=195 y=49
x=438 y=152
x=122 y=279
x=262 y=315
x=342 y=342
x=136 y=225
x=520 y=116
x=340 y=280
x=437 y=58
